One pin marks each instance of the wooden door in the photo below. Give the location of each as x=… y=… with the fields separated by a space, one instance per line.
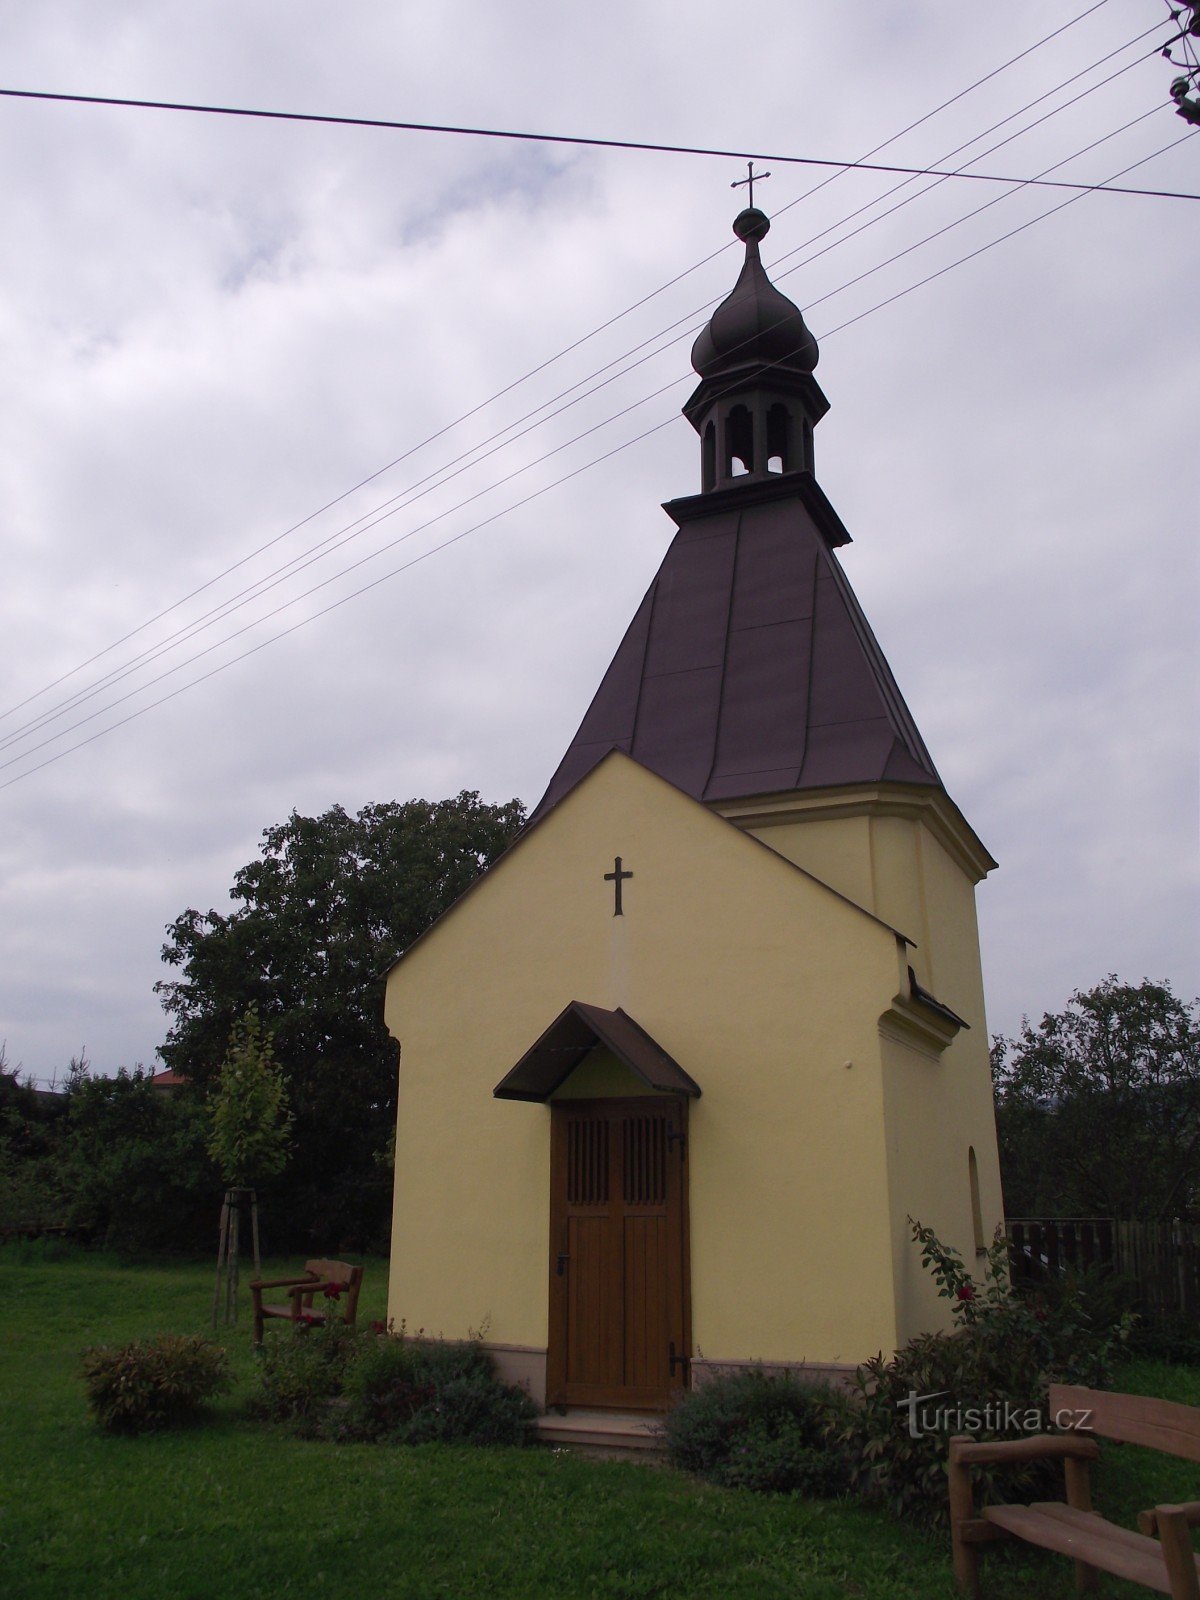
x=618 y=1253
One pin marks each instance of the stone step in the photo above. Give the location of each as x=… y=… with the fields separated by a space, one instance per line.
x=627 y=1435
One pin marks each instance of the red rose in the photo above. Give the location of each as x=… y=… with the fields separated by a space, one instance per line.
x=332 y=1291
x=966 y=1291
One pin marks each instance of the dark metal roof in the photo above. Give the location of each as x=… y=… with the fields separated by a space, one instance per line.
x=923 y=997
x=546 y=1065
x=755 y=325
x=749 y=667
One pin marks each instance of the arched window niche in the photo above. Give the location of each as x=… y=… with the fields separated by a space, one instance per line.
x=708 y=456
x=778 y=431
x=739 y=442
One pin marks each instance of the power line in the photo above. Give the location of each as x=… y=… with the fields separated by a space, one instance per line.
x=995 y=127
x=480 y=452
x=568 y=349
x=580 y=141
x=992 y=243
x=967 y=216
x=380 y=513
x=504 y=511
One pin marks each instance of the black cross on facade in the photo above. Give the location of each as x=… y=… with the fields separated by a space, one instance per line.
x=751 y=178
x=615 y=877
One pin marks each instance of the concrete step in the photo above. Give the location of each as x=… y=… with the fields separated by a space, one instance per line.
x=624 y=1435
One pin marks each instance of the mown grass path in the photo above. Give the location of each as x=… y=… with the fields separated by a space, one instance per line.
x=231 y=1509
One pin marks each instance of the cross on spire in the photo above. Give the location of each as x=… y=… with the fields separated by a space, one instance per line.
x=751 y=178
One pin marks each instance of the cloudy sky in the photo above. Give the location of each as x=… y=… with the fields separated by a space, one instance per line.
x=214 y=329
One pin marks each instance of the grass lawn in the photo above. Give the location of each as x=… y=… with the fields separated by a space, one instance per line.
x=230 y=1508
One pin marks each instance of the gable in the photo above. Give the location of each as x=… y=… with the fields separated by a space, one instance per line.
x=573 y=1035
x=709 y=913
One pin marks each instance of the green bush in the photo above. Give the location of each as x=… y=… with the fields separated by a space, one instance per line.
x=132 y=1166
x=302 y=1370
x=421 y=1391
x=383 y=1390
x=988 y=1378
x=349 y=1385
x=474 y=1408
x=752 y=1430
x=153 y=1383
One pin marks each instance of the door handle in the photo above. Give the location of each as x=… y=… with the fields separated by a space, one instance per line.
x=681 y=1361
x=562 y=1263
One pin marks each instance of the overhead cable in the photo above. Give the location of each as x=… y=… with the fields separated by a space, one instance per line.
x=576 y=344
x=504 y=511
x=341 y=537
x=583 y=142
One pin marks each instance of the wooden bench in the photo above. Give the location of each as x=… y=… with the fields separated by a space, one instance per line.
x=316 y=1277
x=1160 y=1556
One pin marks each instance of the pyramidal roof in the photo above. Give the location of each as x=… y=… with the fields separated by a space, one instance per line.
x=749 y=668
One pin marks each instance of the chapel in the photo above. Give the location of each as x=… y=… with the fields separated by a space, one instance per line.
x=678 y=1068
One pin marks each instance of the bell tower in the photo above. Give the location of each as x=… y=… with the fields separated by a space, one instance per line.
x=757 y=402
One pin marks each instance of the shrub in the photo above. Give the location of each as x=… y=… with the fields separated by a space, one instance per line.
x=383 y=1390
x=989 y=1378
x=756 y=1431
x=425 y=1390
x=131 y=1164
x=473 y=1408
x=153 y=1383
x=302 y=1370
x=349 y=1385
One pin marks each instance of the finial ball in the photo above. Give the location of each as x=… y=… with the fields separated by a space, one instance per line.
x=751 y=224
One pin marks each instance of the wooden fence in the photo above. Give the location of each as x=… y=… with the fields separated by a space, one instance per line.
x=1161 y=1259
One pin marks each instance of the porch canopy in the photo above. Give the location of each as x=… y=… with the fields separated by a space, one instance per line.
x=546 y=1065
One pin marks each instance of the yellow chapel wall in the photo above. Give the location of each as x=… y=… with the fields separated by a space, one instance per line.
x=938 y=1106
x=760 y=982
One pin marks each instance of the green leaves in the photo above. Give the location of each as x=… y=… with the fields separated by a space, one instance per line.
x=989 y=1378
x=153 y=1383
x=131 y=1163
x=1098 y=1107
x=250 y=1120
x=318 y=917
x=757 y=1430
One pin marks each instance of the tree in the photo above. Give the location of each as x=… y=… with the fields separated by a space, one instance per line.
x=249 y=1130
x=132 y=1164
x=1098 y=1107
x=320 y=914
x=30 y=1123
x=249 y=1133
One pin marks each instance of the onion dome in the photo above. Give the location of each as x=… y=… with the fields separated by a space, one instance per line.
x=756 y=325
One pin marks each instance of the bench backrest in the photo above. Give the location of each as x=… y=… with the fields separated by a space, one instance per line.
x=1132 y=1418
x=332 y=1271
x=338 y=1272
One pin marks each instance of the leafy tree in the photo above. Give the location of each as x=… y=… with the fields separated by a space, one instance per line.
x=329 y=902
x=132 y=1162
x=1098 y=1107
x=30 y=1121
x=248 y=1139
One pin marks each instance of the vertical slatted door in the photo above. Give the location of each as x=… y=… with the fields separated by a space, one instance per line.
x=617 y=1266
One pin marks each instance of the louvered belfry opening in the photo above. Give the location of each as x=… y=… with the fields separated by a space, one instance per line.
x=617 y=1253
